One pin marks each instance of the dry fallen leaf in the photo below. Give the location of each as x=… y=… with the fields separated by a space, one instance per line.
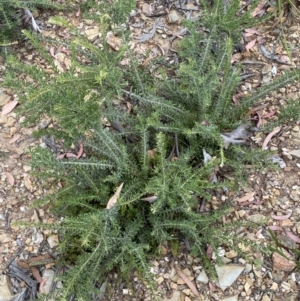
x=70 y=155
x=292 y=236
x=80 y=152
x=269 y=137
x=52 y=51
x=247 y=197
x=189 y=283
x=114 y=198
x=212 y=287
x=10 y=178
x=259 y=10
x=250 y=44
x=150 y=199
x=252 y=31
x=61 y=156
x=281 y=217
x=275 y=228
x=14 y=139
x=9 y=107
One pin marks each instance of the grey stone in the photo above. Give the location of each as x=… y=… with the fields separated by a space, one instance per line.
x=202 y=277
x=4 y=99
x=295 y=153
x=5 y=289
x=227 y=274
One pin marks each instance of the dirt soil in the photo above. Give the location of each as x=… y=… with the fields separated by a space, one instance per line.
x=272 y=195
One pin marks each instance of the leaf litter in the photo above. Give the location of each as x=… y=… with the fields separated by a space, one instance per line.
x=228 y=136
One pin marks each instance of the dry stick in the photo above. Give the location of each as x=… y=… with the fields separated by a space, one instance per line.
x=172 y=152
x=7 y=220
x=202 y=206
x=14 y=257
x=176 y=144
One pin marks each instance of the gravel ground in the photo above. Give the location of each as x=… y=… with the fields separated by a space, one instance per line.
x=271 y=195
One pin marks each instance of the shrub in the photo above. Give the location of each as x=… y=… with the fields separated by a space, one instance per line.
x=154 y=153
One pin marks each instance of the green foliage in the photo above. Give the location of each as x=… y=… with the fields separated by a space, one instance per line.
x=117 y=10
x=156 y=149
x=11 y=16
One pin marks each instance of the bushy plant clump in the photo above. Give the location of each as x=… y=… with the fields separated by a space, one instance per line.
x=152 y=152
x=12 y=17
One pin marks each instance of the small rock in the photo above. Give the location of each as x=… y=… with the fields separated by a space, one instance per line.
x=248 y=284
x=180 y=281
x=230 y=298
x=113 y=41
x=92 y=34
x=248 y=268
x=37 y=238
x=296 y=128
x=3 y=119
x=202 y=277
x=285 y=286
x=53 y=241
x=282 y=264
x=231 y=254
x=49 y=275
x=28 y=184
x=186 y=272
x=173 y=17
x=89 y=22
x=186 y=291
x=44 y=123
x=35 y=218
x=287 y=223
x=160 y=280
x=274 y=286
x=12 y=130
x=10 y=122
x=256 y=218
x=265 y=298
x=227 y=274
x=6 y=290
x=26 y=168
x=295 y=153
x=4 y=238
x=4 y=99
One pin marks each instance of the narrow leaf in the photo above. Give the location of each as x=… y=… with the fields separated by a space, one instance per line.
x=71 y=155
x=250 y=44
x=269 y=137
x=9 y=107
x=247 y=197
x=114 y=198
x=10 y=178
x=293 y=237
x=275 y=228
x=14 y=139
x=189 y=283
x=80 y=152
x=281 y=217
